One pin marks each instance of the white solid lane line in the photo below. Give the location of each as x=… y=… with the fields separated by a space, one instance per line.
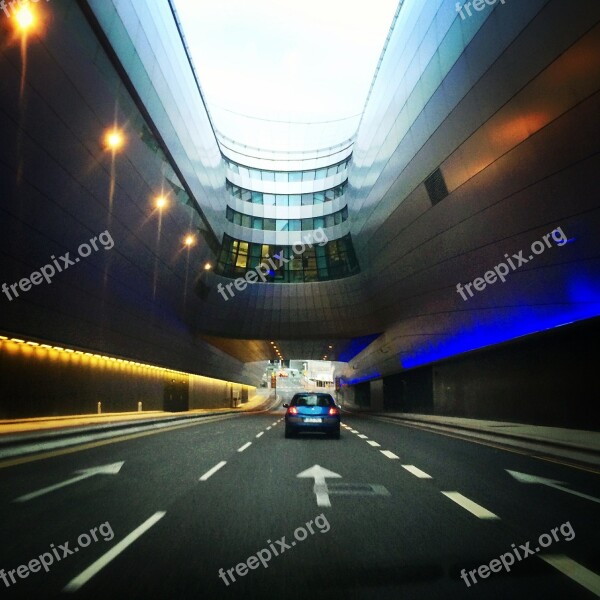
x=246 y=445
x=362 y=436
x=472 y=507
x=98 y=565
x=588 y=579
x=416 y=472
x=213 y=470
x=388 y=454
x=372 y=443
x=259 y=434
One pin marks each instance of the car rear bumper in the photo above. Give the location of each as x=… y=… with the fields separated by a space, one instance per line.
x=299 y=424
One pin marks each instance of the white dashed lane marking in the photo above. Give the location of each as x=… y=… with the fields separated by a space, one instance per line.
x=212 y=471
x=416 y=472
x=388 y=454
x=472 y=507
x=106 y=558
x=584 y=577
x=246 y=445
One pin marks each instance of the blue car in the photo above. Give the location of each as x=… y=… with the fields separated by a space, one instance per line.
x=312 y=411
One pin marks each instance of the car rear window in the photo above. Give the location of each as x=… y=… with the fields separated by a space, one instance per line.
x=312 y=400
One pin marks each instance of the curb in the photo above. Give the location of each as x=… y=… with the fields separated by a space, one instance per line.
x=21 y=438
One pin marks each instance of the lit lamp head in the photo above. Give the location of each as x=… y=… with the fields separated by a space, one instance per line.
x=114 y=140
x=161 y=202
x=24 y=19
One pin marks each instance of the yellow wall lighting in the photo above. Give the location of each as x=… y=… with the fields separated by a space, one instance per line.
x=12 y=344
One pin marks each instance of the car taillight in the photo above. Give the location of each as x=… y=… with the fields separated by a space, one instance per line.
x=292 y=410
x=334 y=411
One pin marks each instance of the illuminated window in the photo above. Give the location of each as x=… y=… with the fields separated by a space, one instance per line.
x=334 y=260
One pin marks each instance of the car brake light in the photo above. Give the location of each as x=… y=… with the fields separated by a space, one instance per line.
x=334 y=411
x=292 y=410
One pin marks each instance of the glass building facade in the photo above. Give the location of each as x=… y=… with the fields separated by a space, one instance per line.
x=286 y=199
x=332 y=260
x=271 y=213
x=288 y=176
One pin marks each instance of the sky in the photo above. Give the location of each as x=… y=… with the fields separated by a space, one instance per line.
x=308 y=61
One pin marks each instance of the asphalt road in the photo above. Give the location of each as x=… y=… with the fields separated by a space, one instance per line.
x=389 y=532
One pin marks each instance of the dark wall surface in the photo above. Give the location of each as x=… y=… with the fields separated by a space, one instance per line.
x=546 y=379
x=38 y=382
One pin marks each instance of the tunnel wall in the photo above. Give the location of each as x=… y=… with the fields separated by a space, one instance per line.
x=548 y=379
x=215 y=393
x=60 y=188
x=36 y=382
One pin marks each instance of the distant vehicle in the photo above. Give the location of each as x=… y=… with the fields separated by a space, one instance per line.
x=312 y=412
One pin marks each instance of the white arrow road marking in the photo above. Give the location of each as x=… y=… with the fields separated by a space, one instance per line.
x=319 y=474
x=472 y=507
x=588 y=579
x=557 y=485
x=111 y=469
x=97 y=566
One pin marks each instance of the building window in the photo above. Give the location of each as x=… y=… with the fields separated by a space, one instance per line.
x=289 y=176
x=309 y=224
x=334 y=260
x=286 y=199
